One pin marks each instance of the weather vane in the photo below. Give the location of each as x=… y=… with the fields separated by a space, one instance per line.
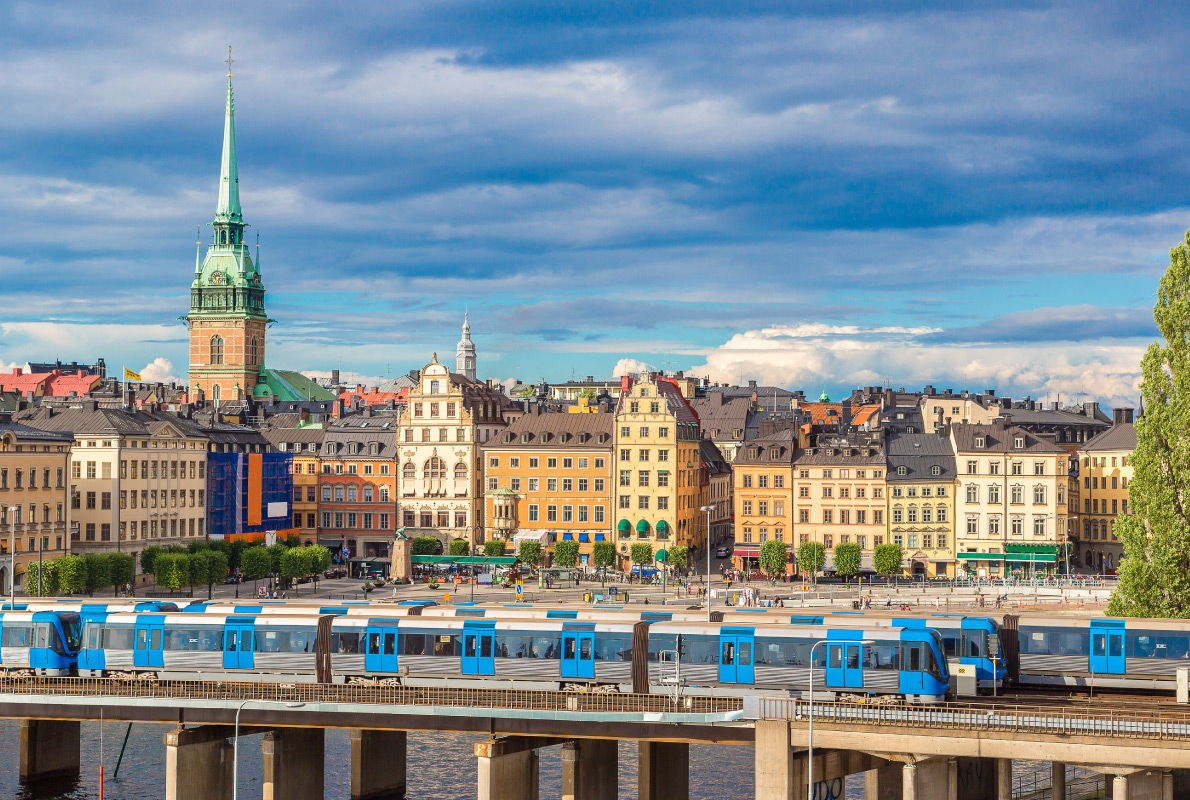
x=229 y=61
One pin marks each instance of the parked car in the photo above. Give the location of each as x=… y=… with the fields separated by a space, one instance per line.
x=721 y=553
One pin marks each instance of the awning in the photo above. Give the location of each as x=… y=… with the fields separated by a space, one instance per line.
x=1023 y=549
x=541 y=537
x=625 y=525
x=1032 y=558
x=465 y=561
x=332 y=542
x=642 y=526
x=662 y=526
x=981 y=557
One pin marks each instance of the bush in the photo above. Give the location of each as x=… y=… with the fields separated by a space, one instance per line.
x=424 y=546
x=458 y=547
x=566 y=553
x=886 y=560
x=72 y=574
x=41 y=579
x=493 y=548
x=848 y=557
x=773 y=558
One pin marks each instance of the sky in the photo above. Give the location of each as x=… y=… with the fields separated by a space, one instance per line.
x=815 y=195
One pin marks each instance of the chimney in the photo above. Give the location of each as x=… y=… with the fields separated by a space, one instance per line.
x=337 y=410
x=1122 y=416
x=845 y=415
x=334 y=377
x=590 y=379
x=754 y=403
x=625 y=384
x=1089 y=410
x=751 y=384
x=49 y=412
x=367 y=411
x=929 y=390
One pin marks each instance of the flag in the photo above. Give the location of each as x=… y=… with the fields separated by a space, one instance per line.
x=129 y=375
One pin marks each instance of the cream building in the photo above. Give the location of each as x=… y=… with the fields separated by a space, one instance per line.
x=1011 y=499
x=921 y=489
x=1105 y=468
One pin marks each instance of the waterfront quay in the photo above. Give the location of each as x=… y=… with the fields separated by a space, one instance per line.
x=953 y=751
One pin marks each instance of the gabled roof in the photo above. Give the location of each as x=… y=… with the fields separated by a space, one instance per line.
x=556 y=429
x=1121 y=436
x=918 y=453
x=998 y=438
x=779 y=448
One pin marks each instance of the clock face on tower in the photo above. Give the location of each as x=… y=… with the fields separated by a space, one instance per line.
x=217 y=277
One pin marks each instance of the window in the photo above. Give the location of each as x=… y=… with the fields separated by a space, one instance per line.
x=941 y=513
x=826 y=473
x=493 y=461
x=1039 y=495
x=625 y=501
x=778 y=481
x=1017 y=494
x=662 y=503
x=803 y=515
x=878 y=518
x=902 y=471
x=216 y=350
x=935 y=470
x=1018 y=442
x=1039 y=526
x=625 y=477
x=533 y=513
x=644 y=454
x=826 y=491
x=1039 y=469
x=828 y=516
x=993 y=526
x=778 y=508
x=1016 y=526
x=625 y=454
x=898 y=516
x=803 y=491
x=662 y=478
x=972 y=525
x=1016 y=468
x=600 y=485
x=551 y=485
x=762 y=481
x=994 y=493
x=663 y=432
x=642 y=502
x=972 y=467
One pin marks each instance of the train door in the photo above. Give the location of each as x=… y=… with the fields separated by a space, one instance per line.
x=150 y=631
x=578 y=654
x=736 y=646
x=479 y=649
x=381 y=653
x=1107 y=647
x=844 y=665
x=238 y=638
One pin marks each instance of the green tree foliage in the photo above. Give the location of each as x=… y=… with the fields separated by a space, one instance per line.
x=529 y=553
x=847 y=559
x=603 y=554
x=255 y=562
x=72 y=574
x=146 y=559
x=641 y=553
x=566 y=553
x=235 y=552
x=1155 y=573
x=99 y=573
x=458 y=547
x=773 y=558
x=810 y=558
x=172 y=570
x=293 y=540
x=41 y=579
x=423 y=546
x=197 y=545
x=679 y=555
x=886 y=559
x=493 y=548
x=122 y=567
x=291 y=566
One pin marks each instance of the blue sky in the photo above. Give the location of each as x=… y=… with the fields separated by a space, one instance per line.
x=807 y=194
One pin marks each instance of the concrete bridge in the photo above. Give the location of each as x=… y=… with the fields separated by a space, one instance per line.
x=950 y=752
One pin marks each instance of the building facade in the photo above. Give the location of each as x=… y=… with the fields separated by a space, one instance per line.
x=839 y=485
x=34 y=511
x=921 y=484
x=1105 y=469
x=303 y=442
x=764 y=507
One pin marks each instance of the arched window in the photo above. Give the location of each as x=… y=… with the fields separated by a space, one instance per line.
x=408 y=472
x=434 y=468
x=1089 y=562
x=216 y=349
x=252 y=356
x=460 y=471
x=215 y=394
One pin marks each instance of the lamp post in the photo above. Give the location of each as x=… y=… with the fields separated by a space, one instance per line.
x=12 y=552
x=235 y=748
x=810 y=732
x=707 y=544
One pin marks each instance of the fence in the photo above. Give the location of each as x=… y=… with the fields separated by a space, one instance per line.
x=1081 y=784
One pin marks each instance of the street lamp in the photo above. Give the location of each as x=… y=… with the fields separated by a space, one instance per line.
x=707 y=544
x=810 y=737
x=12 y=552
x=235 y=749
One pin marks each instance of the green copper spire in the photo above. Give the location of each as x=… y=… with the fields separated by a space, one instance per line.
x=228 y=209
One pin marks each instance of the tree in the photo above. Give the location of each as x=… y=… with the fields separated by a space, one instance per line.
x=679 y=555
x=122 y=567
x=458 y=547
x=291 y=565
x=493 y=548
x=529 y=553
x=255 y=563
x=1155 y=570
x=72 y=574
x=566 y=553
x=316 y=559
x=235 y=551
x=886 y=559
x=641 y=553
x=810 y=558
x=604 y=555
x=847 y=559
x=172 y=570
x=423 y=546
x=773 y=558
x=41 y=578
x=146 y=559
x=99 y=575
x=207 y=567
x=293 y=540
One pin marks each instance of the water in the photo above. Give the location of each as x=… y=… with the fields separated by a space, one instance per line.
x=441 y=766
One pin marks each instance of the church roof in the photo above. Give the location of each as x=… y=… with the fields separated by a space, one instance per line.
x=287 y=385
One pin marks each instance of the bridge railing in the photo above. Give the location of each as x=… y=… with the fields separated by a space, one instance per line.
x=309 y=693
x=1114 y=722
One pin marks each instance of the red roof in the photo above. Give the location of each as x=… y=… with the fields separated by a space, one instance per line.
x=49 y=384
x=374 y=397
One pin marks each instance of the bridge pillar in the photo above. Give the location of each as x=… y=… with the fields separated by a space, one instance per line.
x=909 y=779
x=508 y=768
x=377 y=764
x=980 y=778
x=1058 y=780
x=294 y=763
x=665 y=771
x=49 y=749
x=1003 y=779
x=777 y=775
x=1119 y=787
x=198 y=764
x=590 y=769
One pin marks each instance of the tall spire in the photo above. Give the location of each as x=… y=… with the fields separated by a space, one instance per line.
x=228 y=209
x=465 y=352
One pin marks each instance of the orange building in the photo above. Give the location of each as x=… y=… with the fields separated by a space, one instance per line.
x=547 y=478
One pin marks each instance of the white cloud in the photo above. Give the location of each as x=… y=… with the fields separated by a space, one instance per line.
x=158 y=370
x=793 y=356
x=629 y=366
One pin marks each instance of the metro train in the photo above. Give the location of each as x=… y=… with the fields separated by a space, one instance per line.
x=607 y=655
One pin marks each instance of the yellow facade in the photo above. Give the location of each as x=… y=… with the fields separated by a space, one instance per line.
x=921 y=519
x=33 y=470
x=764 y=495
x=1105 y=470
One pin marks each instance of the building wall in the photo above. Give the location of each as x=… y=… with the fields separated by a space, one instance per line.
x=40 y=525
x=921 y=519
x=764 y=503
x=235 y=370
x=367 y=526
x=305 y=496
x=249 y=493
x=854 y=493
x=1105 y=477
x=957 y=409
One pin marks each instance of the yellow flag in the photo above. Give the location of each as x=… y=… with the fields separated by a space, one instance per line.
x=129 y=375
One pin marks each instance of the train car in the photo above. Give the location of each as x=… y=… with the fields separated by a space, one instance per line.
x=39 y=642
x=1101 y=652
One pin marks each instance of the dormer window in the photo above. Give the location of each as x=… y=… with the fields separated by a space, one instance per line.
x=902 y=471
x=935 y=470
x=979 y=441
x=1018 y=442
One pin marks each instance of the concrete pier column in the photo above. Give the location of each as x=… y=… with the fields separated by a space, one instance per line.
x=952 y=779
x=1003 y=779
x=664 y=771
x=198 y=763
x=1167 y=785
x=507 y=769
x=590 y=769
x=377 y=764
x=49 y=749
x=294 y=763
x=909 y=781
x=909 y=778
x=1058 y=781
x=776 y=775
x=1119 y=788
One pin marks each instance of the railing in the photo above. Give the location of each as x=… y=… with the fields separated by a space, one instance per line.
x=1080 y=783
x=1113 y=723
x=509 y=699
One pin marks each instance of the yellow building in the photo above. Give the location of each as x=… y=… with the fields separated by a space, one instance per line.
x=764 y=487
x=921 y=485
x=548 y=479
x=657 y=465
x=1105 y=467
x=33 y=470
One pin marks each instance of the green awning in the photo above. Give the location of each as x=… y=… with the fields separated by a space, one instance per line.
x=662 y=526
x=642 y=526
x=1031 y=548
x=625 y=525
x=466 y=561
x=981 y=556
x=1032 y=558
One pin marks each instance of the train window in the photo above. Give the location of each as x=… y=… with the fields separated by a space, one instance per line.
x=72 y=627
x=446 y=645
x=612 y=649
x=413 y=644
x=913 y=662
x=728 y=653
x=835 y=659
x=155 y=639
x=568 y=648
x=745 y=654
x=852 y=658
x=1097 y=644
x=119 y=639
x=390 y=644
x=882 y=656
x=544 y=647
x=347 y=642
x=485 y=646
x=374 y=644
x=1151 y=644
x=94 y=633
x=1113 y=646
x=142 y=639
x=42 y=631
x=699 y=649
x=950 y=644
x=584 y=651
x=973 y=644
x=469 y=646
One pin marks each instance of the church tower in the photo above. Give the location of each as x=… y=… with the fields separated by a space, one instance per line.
x=465 y=353
x=227 y=318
